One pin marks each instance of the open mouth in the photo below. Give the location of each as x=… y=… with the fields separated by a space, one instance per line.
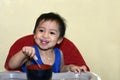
x=44 y=42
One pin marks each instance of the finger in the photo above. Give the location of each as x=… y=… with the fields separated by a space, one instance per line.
x=23 y=49
x=30 y=52
x=83 y=69
x=78 y=70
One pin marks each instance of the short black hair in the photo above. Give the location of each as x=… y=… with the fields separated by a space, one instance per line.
x=55 y=17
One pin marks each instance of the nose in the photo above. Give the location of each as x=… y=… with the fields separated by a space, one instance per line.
x=45 y=34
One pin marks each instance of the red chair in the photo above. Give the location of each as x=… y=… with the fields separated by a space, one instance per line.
x=70 y=51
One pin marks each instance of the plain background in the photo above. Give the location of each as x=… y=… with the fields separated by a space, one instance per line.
x=93 y=26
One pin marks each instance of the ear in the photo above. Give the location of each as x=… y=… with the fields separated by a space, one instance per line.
x=34 y=36
x=59 y=40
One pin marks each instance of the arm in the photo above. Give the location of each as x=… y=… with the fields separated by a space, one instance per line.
x=21 y=57
x=71 y=67
x=17 y=60
x=71 y=54
x=27 y=40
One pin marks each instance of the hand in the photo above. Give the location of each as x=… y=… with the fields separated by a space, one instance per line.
x=29 y=51
x=77 y=69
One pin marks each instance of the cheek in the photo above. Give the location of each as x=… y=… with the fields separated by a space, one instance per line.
x=55 y=38
x=36 y=36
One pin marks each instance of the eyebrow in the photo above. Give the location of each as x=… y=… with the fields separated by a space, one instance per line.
x=50 y=29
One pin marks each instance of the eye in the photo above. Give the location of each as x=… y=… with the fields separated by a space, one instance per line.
x=41 y=30
x=52 y=33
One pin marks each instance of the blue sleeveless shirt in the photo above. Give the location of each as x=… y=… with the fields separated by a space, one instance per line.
x=56 y=64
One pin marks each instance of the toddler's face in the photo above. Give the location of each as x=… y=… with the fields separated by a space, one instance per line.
x=47 y=34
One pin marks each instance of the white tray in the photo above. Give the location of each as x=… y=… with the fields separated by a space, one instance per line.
x=56 y=76
x=12 y=76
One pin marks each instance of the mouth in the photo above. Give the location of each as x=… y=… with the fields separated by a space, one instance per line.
x=44 y=42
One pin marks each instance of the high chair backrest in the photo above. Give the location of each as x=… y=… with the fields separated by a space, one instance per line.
x=70 y=51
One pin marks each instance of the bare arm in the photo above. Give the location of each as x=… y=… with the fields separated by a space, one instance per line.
x=63 y=67
x=17 y=60
x=71 y=67
x=21 y=57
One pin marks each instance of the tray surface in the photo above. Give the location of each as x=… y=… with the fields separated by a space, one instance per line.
x=56 y=76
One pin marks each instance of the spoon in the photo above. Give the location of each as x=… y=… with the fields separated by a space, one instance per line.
x=35 y=59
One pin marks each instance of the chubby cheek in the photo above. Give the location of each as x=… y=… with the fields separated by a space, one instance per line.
x=54 y=38
x=55 y=41
x=36 y=38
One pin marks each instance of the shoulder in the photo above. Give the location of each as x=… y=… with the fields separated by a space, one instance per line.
x=58 y=50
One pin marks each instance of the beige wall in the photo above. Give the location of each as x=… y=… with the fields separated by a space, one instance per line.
x=93 y=25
